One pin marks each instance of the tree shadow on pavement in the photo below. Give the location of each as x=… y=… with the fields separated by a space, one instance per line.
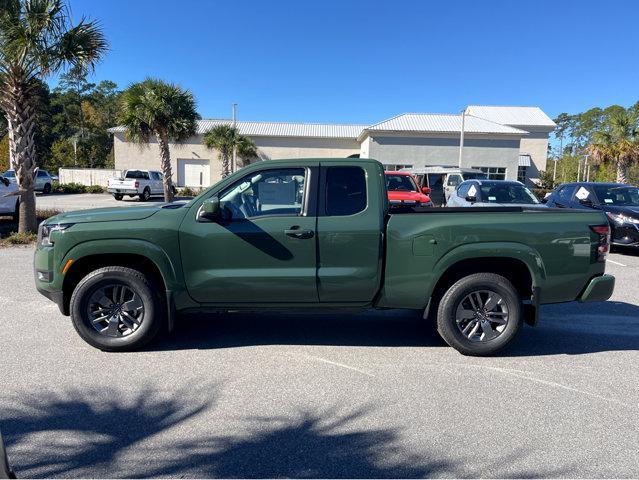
x=97 y=433
x=82 y=431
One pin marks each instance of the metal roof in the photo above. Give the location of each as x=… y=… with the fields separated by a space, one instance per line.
x=442 y=123
x=521 y=116
x=524 y=160
x=279 y=129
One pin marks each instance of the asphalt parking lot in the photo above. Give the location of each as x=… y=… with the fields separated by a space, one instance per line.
x=374 y=395
x=83 y=201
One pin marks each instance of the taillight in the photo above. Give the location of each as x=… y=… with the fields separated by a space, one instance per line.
x=137 y=184
x=604 y=240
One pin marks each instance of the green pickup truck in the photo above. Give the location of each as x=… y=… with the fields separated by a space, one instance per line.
x=317 y=235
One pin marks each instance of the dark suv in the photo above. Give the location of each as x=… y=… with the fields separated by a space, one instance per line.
x=620 y=202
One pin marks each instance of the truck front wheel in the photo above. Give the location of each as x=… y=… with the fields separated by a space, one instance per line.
x=116 y=309
x=480 y=314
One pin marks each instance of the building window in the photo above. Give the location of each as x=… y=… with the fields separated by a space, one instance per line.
x=521 y=174
x=493 y=173
x=394 y=168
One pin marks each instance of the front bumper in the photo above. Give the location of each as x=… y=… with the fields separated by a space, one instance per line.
x=55 y=297
x=599 y=289
x=48 y=281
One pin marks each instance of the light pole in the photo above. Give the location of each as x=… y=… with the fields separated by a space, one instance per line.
x=461 y=137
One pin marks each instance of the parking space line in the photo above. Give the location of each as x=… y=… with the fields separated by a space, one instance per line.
x=617 y=263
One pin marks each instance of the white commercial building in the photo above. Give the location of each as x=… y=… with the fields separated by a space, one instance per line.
x=506 y=142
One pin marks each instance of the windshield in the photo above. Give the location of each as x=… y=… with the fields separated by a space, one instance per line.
x=400 y=183
x=9 y=174
x=512 y=193
x=615 y=195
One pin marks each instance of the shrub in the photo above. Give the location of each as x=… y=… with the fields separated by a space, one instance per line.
x=15 y=238
x=70 y=188
x=188 y=192
x=540 y=193
x=95 y=189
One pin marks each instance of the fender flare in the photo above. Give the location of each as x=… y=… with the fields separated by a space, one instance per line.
x=507 y=250
x=113 y=246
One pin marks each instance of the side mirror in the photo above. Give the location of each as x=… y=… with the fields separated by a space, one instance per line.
x=471 y=198
x=210 y=210
x=426 y=190
x=5 y=181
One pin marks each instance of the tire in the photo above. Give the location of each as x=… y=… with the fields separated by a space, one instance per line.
x=174 y=190
x=145 y=195
x=115 y=334
x=47 y=189
x=118 y=196
x=485 y=334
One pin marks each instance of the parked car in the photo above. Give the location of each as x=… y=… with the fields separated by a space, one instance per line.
x=43 y=180
x=620 y=202
x=403 y=190
x=143 y=184
x=490 y=193
x=9 y=198
x=251 y=242
x=442 y=181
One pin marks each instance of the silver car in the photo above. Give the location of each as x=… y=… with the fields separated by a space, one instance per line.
x=43 y=180
x=492 y=193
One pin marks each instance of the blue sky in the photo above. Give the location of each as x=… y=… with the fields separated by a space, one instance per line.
x=364 y=61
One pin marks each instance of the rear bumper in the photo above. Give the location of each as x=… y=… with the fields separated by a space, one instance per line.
x=123 y=191
x=598 y=289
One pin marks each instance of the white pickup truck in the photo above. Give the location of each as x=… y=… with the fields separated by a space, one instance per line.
x=141 y=183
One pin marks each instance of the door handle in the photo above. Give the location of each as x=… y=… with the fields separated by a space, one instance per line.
x=296 y=232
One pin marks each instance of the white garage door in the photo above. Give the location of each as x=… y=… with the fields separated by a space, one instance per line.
x=193 y=172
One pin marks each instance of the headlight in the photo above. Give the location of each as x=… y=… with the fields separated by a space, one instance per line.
x=620 y=218
x=45 y=231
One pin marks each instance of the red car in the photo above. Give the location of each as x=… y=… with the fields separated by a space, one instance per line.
x=403 y=190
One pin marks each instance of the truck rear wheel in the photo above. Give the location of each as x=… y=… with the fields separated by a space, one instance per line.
x=118 y=196
x=116 y=309
x=145 y=195
x=480 y=314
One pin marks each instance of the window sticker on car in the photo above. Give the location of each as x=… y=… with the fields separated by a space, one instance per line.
x=608 y=200
x=492 y=199
x=582 y=193
x=472 y=191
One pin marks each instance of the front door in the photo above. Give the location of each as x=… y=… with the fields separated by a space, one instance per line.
x=7 y=202
x=265 y=252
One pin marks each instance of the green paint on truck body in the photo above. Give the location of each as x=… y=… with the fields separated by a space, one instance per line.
x=372 y=258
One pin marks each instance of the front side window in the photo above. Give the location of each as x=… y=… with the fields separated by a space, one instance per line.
x=493 y=173
x=564 y=194
x=42 y=174
x=463 y=190
x=614 y=195
x=345 y=191
x=267 y=192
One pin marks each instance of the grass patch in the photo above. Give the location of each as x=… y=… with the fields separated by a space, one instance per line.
x=8 y=229
x=16 y=238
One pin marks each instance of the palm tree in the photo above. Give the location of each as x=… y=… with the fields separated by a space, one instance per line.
x=37 y=38
x=617 y=143
x=154 y=108
x=225 y=138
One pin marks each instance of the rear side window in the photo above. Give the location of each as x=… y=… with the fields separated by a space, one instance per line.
x=345 y=190
x=454 y=180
